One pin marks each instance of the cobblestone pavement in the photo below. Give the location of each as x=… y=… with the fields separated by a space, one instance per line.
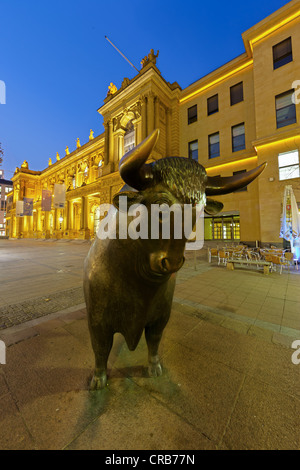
x=22 y=312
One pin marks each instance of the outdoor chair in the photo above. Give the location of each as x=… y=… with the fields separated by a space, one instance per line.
x=289 y=260
x=223 y=256
x=212 y=253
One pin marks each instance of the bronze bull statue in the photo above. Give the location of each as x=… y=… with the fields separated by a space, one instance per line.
x=129 y=283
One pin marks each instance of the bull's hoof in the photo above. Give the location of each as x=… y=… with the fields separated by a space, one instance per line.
x=155 y=369
x=98 y=382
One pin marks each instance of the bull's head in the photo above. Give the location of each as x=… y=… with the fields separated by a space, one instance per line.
x=173 y=180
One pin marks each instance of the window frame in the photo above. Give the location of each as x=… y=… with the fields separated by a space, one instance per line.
x=231 y=93
x=232 y=138
x=277 y=62
x=210 y=154
x=194 y=118
x=292 y=105
x=190 y=151
x=209 y=113
x=295 y=165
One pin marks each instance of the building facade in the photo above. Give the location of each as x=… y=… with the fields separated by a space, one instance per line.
x=6 y=187
x=237 y=117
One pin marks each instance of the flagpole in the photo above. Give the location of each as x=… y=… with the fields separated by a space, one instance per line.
x=121 y=54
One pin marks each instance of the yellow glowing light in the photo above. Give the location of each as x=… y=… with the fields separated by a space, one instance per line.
x=280 y=141
x=274 y=28
x=218 y=80
x=231 y=164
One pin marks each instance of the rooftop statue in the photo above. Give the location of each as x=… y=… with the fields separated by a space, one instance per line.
x=150 y=58
x=112 y=89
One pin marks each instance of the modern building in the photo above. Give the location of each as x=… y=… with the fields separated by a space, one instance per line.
x=243 y=114
x=6 y=187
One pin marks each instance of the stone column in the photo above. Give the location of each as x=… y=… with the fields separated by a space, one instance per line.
x=156 y=112
x=110 y=141
x=70 y=222
x=66 y=215
x=82 y=214
x=150 y=113
x=144 y=117
x=168 y=131
x=106 y=144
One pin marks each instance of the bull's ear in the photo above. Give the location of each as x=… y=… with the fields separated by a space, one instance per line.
x=130 y=197
x=213 y=207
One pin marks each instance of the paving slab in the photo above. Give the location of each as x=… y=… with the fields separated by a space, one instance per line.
x=228 y=383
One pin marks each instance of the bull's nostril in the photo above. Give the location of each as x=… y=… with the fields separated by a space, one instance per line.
x=164 y=264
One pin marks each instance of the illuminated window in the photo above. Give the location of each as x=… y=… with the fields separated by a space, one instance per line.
x=214 y=145
x=212 y=105
x=193 y=150
x=282 y=53
x=285 y=109
x=238 y=137
x=192 y=114
x=236 y=93
x=129 y=137
x=288 y=164
x=74 y=182
x=86 y=172
x=222 y=228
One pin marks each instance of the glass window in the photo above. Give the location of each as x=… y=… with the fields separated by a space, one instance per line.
x=288 y=164
x=212 y=105
x=192 y=114
x=285 y=109
x=193 y=150
x=282 y=53
x=236 y=93
x=222 y=228
x=238 y=137
x=237 y=173
x=74 y=182
x=218 y=228
x=236 y=227
x=214 y=145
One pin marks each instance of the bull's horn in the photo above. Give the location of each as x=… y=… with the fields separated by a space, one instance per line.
x=216 y=185
x=132 y=166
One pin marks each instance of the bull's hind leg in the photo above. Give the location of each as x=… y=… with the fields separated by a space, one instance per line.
x=102 y=343
x=153 y=334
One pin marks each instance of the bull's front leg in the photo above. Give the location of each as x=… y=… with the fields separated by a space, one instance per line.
x=102 y=343
x=153 y=334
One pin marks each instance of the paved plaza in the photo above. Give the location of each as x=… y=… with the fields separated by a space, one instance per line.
x=229 y=381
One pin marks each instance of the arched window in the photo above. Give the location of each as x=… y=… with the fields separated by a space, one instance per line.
x=86 y=172
x=129 y=137
x=74 y=182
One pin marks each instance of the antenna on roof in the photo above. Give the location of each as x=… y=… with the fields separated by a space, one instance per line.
x=121 y=54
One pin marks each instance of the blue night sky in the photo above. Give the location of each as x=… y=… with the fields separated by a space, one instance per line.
x=57 y=65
